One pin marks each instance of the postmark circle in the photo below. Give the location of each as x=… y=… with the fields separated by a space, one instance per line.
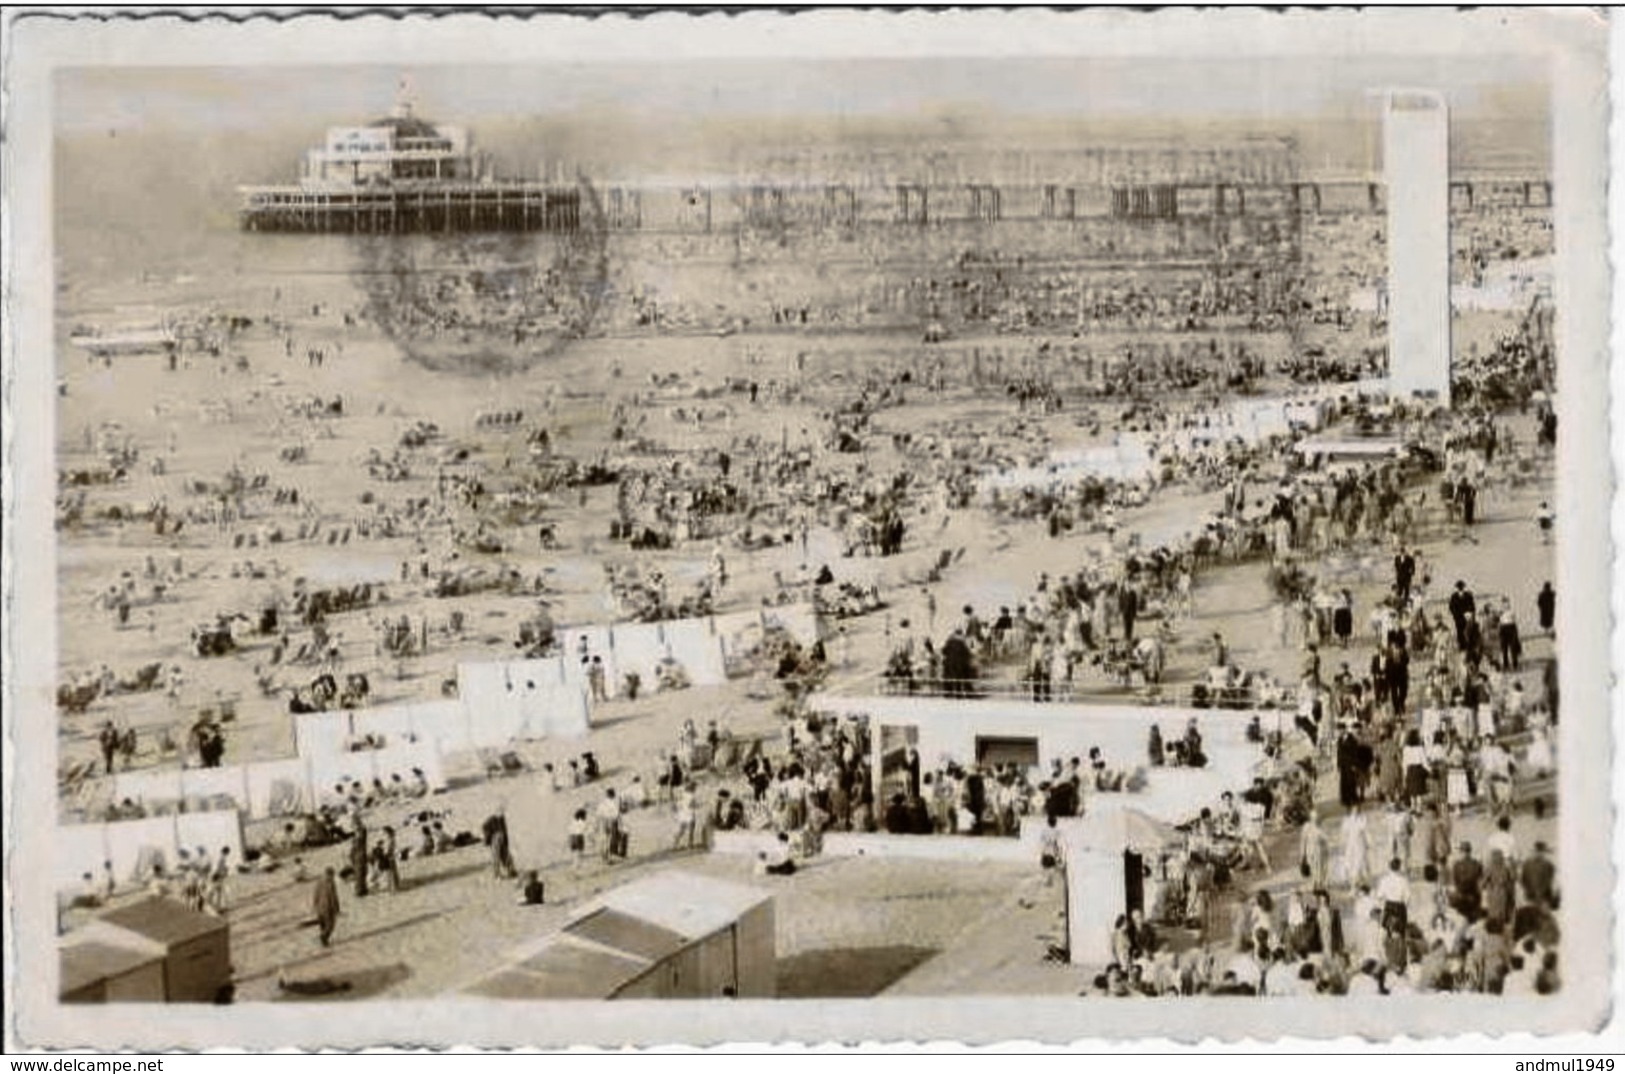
x=487 y=295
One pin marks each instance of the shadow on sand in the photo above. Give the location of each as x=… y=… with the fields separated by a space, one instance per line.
x=352 y=984
x=847 y=971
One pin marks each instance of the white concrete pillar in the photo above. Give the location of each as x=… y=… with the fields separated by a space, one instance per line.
x=1416 y=165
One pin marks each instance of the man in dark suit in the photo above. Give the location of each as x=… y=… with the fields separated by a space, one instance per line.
x=358 y=857
x=911 y=767
x=897 y=820
x=957 y=669
x=1461 y=605
x=1128 y=605
x=1062 y=800
x=1466 y=875
x=1404 y=573
x=1539 y=878
x=325 y=902
x=976 y=797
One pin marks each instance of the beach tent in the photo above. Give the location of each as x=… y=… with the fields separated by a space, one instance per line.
x=279 y=788
x=211 y=831
x=401 y=760
x=205 y=789
x=520 y=700
x=639 y=648
x=800 y=621
x=252 y=787
x=690 y=642
x=320 y=733
x=695 y=645
x=738 y=633
x=156 y=790
x=332 y=774
x=133 y=846
x=79 y=849
x=389 y=724
x=444 y=723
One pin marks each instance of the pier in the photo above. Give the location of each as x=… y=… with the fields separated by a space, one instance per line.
x=443 y=208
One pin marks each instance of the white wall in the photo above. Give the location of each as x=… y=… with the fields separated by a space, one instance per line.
x=949 y=729
x=881 y=846
x=1416 y=165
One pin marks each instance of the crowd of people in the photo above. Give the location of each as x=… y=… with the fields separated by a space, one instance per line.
x=1390 y=900
x=1417 y=707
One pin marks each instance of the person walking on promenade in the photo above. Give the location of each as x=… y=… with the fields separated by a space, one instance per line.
x=686 y=827
x=609 y=827
x=325 y=903
x=495 y=831
x=358 y=858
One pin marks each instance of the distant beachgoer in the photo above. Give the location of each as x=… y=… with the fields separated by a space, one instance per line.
x=686 y=828
x=595 y=679
x=496 y=837
x=1546 y=605
x=325 y=902
x=389 y=863
x=358 y=857
x=578 y=838
x=612 y=839
x=1050 y=857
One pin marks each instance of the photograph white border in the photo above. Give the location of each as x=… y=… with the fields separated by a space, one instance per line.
x=1574 y=43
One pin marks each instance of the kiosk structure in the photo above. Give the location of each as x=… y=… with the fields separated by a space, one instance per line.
x=1106 y=855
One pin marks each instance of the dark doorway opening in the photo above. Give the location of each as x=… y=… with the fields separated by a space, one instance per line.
x=992 y=751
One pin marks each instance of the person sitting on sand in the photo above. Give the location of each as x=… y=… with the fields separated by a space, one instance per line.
x=90 y=893
x=776 y=861
x=670 y=675
x=728 y=813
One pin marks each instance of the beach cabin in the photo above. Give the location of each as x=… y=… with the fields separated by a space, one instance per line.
x=192 y=948
x=672 y=935
x=93 y=971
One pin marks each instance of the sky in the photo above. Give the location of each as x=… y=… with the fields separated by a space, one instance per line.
x=161 y=150
x=246 y=98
